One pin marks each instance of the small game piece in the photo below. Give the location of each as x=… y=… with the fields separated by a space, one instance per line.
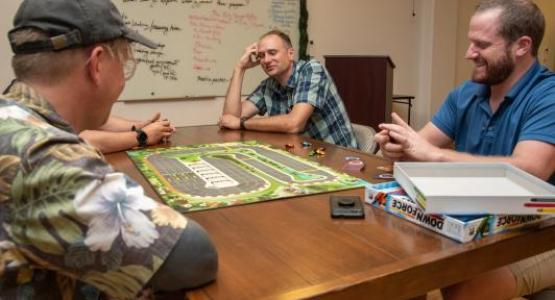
x=384 y=176
x=312 y=153
x=353 y=165
x=306 y=144
x=289 y=146
x=321 y=151
x=346 y=207
x=349 y=158
x=387 y=169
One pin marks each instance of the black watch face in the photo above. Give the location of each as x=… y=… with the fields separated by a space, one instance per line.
x=142 y=138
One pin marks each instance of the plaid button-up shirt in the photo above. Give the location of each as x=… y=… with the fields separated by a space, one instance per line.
x=309 y=83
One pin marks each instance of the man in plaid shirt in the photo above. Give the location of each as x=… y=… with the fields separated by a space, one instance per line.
x=298 y=97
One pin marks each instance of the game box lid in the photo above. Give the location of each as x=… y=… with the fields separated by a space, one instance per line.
x=474 y=188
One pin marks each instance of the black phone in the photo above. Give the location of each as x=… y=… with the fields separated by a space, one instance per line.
x=346 y=207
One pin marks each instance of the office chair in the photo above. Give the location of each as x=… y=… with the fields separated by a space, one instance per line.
x=365 y=138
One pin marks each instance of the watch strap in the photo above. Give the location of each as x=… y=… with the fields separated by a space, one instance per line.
x=242 y=123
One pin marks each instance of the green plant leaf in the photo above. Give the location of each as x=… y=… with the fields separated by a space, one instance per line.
x=22 y=135
x=39 y=200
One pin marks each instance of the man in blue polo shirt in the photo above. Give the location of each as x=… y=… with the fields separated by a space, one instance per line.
x=298 y=96
x=505 y=114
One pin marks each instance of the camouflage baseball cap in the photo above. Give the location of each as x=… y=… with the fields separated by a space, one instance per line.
x=71 y=24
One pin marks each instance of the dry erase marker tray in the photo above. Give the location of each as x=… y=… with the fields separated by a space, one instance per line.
x=474 y=188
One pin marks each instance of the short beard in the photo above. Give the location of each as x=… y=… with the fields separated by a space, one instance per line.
x=498 y=71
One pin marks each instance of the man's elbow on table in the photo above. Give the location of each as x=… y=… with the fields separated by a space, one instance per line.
x=295 y=127
x=296 y=120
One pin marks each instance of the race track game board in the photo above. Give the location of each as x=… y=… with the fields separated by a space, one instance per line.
x=197 y=177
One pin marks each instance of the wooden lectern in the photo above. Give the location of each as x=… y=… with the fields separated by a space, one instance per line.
x=365 y=83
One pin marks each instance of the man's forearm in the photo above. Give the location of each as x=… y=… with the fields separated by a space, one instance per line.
x=117 y=124
x=448 y=155
x=232 y=103
x=108 y=142
x=280 y=123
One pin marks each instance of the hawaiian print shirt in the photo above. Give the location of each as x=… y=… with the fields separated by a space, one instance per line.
x=68 y=220
x=310 y=83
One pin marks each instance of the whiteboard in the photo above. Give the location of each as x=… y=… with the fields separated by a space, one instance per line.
x=200 y=43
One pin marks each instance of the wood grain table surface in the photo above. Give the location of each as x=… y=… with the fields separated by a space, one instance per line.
x=292 y=248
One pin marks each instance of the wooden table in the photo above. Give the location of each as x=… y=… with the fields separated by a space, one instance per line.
x=291 y=248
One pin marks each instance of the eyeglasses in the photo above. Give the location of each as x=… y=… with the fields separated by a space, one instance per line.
x=124 y=54
x=129 y=67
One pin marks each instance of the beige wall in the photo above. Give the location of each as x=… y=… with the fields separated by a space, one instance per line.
x=463 y=66
x=6 y=17
x=444 y=54
x=363 y=27
x=546 y=54
x=422 y=48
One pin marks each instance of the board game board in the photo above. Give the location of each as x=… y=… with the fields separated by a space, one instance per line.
x=198 y=177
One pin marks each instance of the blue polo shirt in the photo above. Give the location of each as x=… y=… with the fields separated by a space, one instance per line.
x=527 y=113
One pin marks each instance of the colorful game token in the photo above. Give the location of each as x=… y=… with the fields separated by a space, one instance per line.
x=306 y=144
x=384 y=176
x=388 y=169
x=320 y=151
x=349 y=158
x=353 y=165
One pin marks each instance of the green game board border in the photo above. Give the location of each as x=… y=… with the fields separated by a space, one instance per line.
x=178 y=202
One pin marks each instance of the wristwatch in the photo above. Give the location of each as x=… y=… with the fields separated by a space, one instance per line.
x=142 y=137
x=242 y=123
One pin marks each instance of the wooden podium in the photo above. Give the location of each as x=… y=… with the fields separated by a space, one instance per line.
x=365 y=83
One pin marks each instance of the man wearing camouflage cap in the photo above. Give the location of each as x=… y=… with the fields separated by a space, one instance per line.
x=70 y=225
